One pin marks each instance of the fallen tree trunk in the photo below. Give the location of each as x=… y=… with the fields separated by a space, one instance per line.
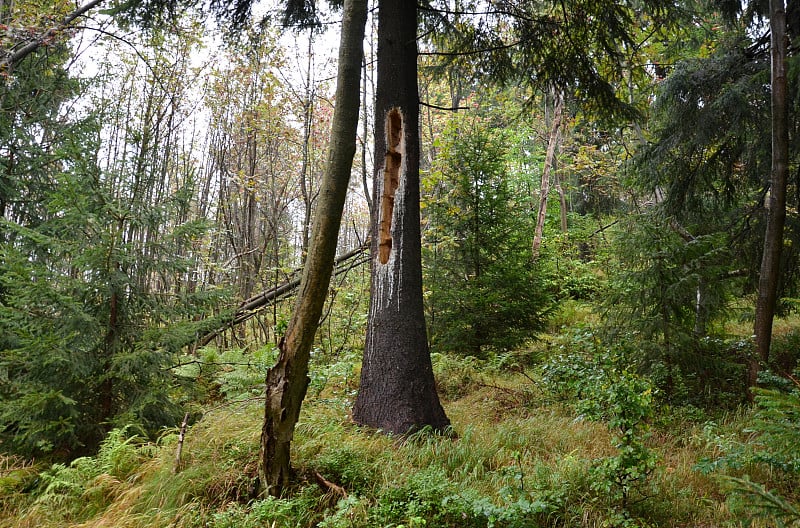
x=251 y=306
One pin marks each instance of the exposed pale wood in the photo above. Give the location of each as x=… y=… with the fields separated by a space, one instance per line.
x=181 y=437
x=397 y=390
x=549 y=160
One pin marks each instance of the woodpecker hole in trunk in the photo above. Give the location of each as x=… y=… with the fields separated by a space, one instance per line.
x=391 y=179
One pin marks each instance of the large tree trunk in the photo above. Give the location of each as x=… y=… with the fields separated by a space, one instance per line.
x=549 y=159
x=287 y=381
x=397 y=392
x=773 y=239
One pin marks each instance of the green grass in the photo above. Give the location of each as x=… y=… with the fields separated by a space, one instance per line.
x=512 y=461
x=518 y=456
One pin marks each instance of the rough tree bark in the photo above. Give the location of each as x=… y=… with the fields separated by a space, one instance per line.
x=773 y=239
x=287 y=381
x=397 y=392
x=552 y=142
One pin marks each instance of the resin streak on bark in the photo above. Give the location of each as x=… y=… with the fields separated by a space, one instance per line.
x=397 y=393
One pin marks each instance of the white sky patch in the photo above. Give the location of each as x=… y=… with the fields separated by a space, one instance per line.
x=100 y=46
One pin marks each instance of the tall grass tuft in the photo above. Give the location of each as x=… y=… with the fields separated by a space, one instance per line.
x=516 y=457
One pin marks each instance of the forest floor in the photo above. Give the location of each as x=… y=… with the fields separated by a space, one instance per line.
x=520 y=454
x=513 y=460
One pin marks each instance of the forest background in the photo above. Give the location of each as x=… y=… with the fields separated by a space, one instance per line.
x=594 y=352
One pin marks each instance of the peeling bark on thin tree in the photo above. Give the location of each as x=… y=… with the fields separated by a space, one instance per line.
x=773 y=239
x=287 y=381
x=397 y=392
x=552 y=142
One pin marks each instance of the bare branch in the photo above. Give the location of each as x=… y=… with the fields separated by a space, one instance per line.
x=7 y=63
x=469 y=52
x=249 y=307
x=446 y=108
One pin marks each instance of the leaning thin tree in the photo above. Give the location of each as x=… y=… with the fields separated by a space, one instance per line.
x=553 y=140
x=287 y=381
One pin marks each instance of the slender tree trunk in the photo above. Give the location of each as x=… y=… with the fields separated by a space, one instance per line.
x=552 y=142
x=562 y=200
x=701 y=309
x=365 y=134
x=397 y=392
x=305 y=171
x=287 y=381
x=773 y=239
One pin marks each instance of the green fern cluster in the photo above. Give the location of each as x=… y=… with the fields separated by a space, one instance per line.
x=80 y=490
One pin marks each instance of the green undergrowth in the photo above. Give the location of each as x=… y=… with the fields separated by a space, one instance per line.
x=583 y=444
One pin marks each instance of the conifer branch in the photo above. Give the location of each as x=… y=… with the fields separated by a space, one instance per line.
x=470 y=52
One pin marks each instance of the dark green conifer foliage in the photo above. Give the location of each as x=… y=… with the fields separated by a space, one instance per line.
x=29 y=129
x=591 y=50
x=706 y=166
x=82 y=348
x=484 y=294
x=666 y=295
x=30 y=134
x=82 y=329
x=709 y=151
x=709 y=158
x=706 y=169
x=234 y=14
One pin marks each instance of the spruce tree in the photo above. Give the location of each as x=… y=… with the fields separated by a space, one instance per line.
x=484 y=294
x=92 y=268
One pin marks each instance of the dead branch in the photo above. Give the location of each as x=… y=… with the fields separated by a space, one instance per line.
x=328 y=486
x=10 y=60
x=250 y=307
